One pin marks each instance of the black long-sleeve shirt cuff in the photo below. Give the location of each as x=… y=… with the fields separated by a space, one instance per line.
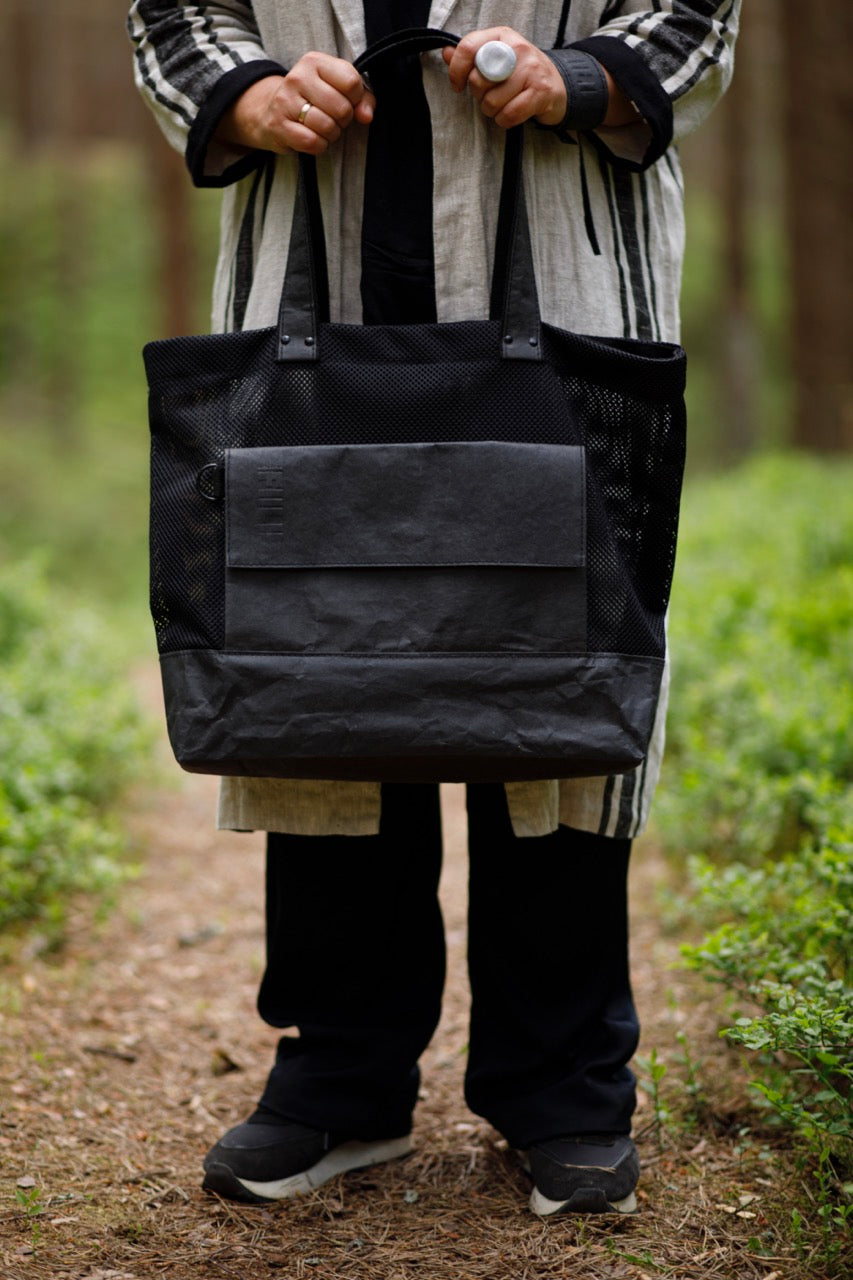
x=216 y=164
x=639 y=83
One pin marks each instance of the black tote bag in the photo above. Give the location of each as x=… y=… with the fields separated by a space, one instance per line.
x=413 y=552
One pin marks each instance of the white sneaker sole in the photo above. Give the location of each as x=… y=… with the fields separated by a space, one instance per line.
x=580 y=1203
x=349 y=1155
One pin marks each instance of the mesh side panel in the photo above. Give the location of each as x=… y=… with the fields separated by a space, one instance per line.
x=635 y=459
x=441 y=382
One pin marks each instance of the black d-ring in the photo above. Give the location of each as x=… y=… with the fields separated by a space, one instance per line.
x=209 y=482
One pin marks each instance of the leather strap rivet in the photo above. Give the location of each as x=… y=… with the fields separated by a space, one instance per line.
x=507 y=338
x=285 y=338
x=534 y=342
x=309 y=342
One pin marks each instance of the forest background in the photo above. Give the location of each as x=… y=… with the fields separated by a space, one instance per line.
x=104 y=245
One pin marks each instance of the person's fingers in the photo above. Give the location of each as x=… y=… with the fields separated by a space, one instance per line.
x=319 y=122
x=315 y=102
x=460 y=61
x=534 y=88
x=490 y=95
x=511 y=102
x=304 y=110
x=365 y=108
x=343 y=77
x=321 y=96
x=312 y=144
x=329 y=83
x=300 y=137
x=520 y=108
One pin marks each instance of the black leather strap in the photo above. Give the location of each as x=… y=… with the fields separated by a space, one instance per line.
x=305 y=294
x=304 y=302
x=514 y=298
x=402 y=43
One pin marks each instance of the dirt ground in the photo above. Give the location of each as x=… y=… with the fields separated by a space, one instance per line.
x=128 y=1052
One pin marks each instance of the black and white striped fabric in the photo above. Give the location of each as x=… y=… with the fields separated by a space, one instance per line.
x=672 y=58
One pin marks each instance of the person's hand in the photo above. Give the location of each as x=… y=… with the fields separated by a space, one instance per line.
x=534 y=90
x=266 y=116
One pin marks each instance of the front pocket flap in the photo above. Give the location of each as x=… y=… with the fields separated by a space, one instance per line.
x=399 y=505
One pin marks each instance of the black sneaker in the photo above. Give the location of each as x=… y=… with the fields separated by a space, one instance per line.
x=583 y=1173
x=270 y=1159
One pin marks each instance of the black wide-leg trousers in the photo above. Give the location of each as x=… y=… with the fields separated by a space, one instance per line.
x=356 y=963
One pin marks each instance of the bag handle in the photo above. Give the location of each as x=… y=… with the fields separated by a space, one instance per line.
x=561 y=27
x=305 y=295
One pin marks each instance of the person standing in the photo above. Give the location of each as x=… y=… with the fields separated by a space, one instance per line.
x=409 y=178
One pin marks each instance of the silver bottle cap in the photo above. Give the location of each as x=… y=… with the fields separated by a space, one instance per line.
x=495 y=61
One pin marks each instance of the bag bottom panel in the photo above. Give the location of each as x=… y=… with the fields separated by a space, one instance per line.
x=460 y=717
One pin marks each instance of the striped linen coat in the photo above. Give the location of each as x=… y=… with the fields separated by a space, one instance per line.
x=673 y=60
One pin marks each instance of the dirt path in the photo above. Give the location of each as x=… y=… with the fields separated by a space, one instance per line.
x=127 y=1054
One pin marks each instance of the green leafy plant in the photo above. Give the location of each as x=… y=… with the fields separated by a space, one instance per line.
x=70 y=738
x=783 y=951
x=29 y=1198
x=697 y=1105
x=653 y=1071
x=758 y=787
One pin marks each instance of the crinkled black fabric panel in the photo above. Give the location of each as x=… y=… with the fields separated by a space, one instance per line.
x=405 y=548
x=619 y=398
x=565 y=715
x=439 y=610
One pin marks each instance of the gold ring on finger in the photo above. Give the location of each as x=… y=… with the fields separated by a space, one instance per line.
x=306 y=107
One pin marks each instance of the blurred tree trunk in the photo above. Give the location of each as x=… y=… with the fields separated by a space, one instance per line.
x=66 y=62
x=62 y=375
x=171 y=191
x=818 y=45
x=740 y=340
x=23 y=36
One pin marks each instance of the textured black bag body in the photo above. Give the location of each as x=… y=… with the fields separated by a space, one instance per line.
x=416 y=552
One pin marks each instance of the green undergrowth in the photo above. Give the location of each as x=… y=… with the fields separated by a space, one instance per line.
x=71 y=738
x=778 y=943
x=759 y=748
x=757 y=795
